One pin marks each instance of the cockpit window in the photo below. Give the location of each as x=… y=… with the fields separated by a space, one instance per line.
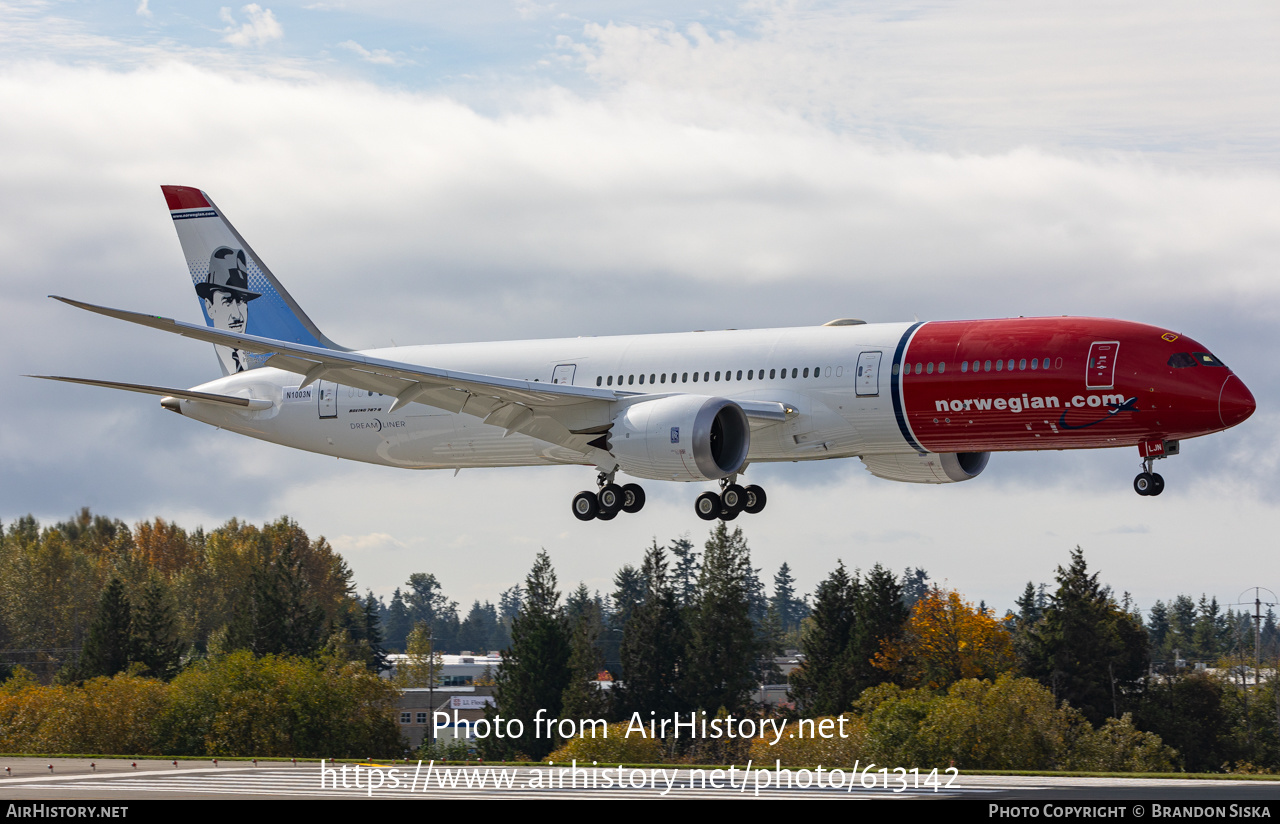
x=1206 y=359
x=1181 y=360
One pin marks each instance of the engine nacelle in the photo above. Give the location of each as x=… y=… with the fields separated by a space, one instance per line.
x=930 y=468
x=681 y=438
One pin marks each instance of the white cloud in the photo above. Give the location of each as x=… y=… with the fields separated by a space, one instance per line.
x=807 y=168
x=261 y=27
x=143 y=10
x=379 y=56
x=983 y=76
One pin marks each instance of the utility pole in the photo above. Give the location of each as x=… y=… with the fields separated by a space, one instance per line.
x=1257 y=627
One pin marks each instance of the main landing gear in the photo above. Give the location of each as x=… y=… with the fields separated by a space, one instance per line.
x=609 y=501
x=732 y=501
x=729 y=503
x=1148 y=482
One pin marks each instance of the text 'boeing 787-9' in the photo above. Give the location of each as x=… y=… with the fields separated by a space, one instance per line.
x=925 y=402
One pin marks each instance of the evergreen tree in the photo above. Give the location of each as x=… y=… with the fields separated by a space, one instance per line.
x=791 y=610
x=1182 y=626
x=824 y=684
x=627 y=594
x=578 y=604
x=915 y=583
x=1210 y=629
x=770 y=640
x=481 y=630
x=398 y=623
x=583 y=698
x=535 y=671
x=376 y=656
x=279 y=616
x=756 y=598
x=109 y=647
x=1087 y=650
x=684 y=576
x=881 y=616
x=155 y=635
x=1270 y=641
x=653 y=641
x=510 y=601
x=1158 y=625
x=722 y=642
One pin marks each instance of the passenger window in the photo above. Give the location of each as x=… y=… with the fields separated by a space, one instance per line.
x=999 y=365
x=739 y=374
x=642 y=380
x=942 y=367
x=1034 y=362
x=929 y=369
x=664 y=377
x=783 y=374
x=964 y=366
x=717 y=376
x=750 y=372
x=706 y=376
x=631 y=379
x=695 y=377
x=1022 y=364
x=685 y=378
x=806 y=372
x=771 y=373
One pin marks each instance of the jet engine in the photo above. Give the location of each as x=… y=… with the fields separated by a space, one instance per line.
x=681 y=438
x=929 y=468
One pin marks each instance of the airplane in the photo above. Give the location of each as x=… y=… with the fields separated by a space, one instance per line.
x=921 y=401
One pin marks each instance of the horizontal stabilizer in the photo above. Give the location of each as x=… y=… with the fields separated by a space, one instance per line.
x=183 y=394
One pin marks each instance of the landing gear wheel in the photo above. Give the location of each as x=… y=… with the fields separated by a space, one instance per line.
x=734 y=498
x=708 y=506
x=632 y=498
x=755 y=500
x=586 y=506
x=728 y=514
x=1157 y=484
x=1144 y=483
x=611 y=498
x=608 y=516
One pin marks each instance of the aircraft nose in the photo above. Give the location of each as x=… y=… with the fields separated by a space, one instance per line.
x=1235 y=401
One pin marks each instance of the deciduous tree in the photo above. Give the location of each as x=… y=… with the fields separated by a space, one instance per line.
x=945 y=640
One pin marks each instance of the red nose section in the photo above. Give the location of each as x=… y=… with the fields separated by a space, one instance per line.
x=1235 y=401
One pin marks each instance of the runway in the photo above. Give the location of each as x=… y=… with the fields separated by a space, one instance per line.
x=114 y=781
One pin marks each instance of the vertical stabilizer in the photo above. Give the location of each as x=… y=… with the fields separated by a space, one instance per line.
x=236 y=290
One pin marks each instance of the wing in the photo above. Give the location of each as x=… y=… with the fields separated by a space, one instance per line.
x=165 y=392
x=570 y=416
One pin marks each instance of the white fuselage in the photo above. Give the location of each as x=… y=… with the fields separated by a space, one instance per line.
x=832 y=415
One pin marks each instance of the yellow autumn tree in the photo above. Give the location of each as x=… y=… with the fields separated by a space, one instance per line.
x=947 y=639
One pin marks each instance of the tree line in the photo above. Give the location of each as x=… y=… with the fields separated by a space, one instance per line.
x=688 y=629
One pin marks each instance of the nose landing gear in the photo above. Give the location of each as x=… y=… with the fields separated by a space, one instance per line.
x=1147 y=482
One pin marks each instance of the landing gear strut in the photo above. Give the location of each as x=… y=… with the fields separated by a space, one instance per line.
x=1148 y=482
x=609 y=501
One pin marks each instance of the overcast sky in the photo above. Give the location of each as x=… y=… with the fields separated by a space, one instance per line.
x=440 y=172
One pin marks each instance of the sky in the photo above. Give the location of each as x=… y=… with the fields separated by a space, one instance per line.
x=440 y=172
